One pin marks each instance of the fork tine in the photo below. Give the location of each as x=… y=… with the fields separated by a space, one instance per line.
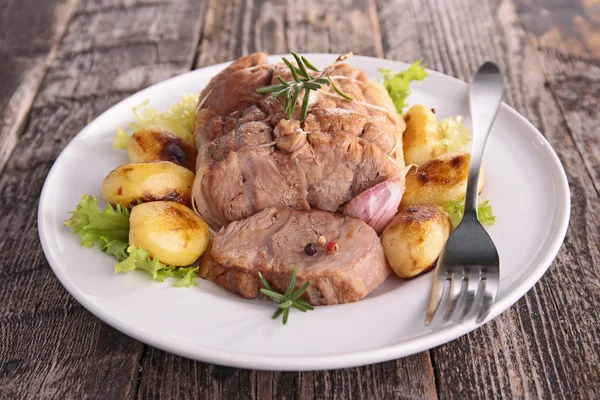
x=472 y=284
x=437 y=290
x=489 y=296
x=456 y=286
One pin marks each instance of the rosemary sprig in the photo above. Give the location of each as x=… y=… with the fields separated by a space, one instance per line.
x=303 y=81
x=288 y=299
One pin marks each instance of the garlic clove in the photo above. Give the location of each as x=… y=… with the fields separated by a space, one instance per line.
x=378 y=205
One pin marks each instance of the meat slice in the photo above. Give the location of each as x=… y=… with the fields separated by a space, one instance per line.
x=251 y=158
x=273 y=241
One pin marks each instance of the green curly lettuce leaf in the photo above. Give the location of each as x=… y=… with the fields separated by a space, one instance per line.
x=456 y=211
x=485 y=214
x=117 y=248
x=397 y=83
x=457 y=137
x=187 y=277
x=109 y=228
x=121 y=139
x=141 y=259
x=178 y=119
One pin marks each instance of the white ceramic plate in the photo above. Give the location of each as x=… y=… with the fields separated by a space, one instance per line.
x=524 y=181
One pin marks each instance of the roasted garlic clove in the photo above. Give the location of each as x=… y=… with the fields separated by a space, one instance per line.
x=423 y=139
x=414 y=238
x=439 y=181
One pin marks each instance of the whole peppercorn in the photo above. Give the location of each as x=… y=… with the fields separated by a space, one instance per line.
x=311 y=249
x=333 y=248
x=322 y=241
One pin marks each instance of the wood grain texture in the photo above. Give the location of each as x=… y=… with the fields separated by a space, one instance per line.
x=546 y=346
x=29 y=36
x=236 y=27
x=567 y=36
x=564 y=26
x=167 y=376
x=231 y=29
x=50 y=347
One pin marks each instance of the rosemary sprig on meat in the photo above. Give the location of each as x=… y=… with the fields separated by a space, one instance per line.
x=303 y=81
x=288 y=299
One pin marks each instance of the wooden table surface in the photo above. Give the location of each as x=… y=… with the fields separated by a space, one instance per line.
x=63 y=62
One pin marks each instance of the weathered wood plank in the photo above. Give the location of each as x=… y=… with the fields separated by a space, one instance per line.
x=546 y=345
x=49 y=345
x=565 y=26
x=167 y=376
x=567 y=36
x=231 y=29
x=29 y=36
x=236 y=27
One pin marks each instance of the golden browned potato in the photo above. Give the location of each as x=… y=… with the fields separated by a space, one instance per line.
x=439 y=181
x=423 y=138
x=414 y=238
x=148 y=182
x=170 y=231
x=157 y=144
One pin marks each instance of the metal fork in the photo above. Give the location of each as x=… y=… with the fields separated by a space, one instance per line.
x=469 y=260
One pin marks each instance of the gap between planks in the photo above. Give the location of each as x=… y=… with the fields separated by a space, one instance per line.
x=534 y=43
x=22 y=99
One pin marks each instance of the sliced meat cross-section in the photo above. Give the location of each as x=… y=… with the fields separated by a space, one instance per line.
x=273 y=242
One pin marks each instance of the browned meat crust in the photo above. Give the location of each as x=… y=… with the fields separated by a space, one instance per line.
x=273 y=243
x=250 y=158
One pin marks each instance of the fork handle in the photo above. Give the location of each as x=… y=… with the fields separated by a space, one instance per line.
x=485 y=97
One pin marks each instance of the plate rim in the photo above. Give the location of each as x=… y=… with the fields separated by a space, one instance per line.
x=544 y=258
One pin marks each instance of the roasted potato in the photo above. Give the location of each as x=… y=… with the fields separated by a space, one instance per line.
x=439 y=181
x=414 y=238
x=170 y=231
x=157 y=144
x=423 y=138
x=148 y=182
